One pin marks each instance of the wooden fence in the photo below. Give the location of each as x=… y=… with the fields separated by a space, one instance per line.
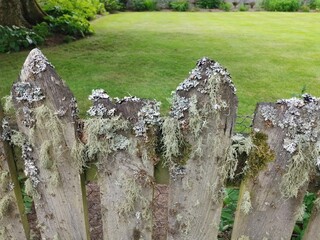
x=277 y=163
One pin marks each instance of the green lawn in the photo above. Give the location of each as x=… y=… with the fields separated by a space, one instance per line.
x=269 y=55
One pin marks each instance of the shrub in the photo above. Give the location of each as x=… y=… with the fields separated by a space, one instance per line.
x=314 y=4
x=243 y=8
x=82 y=8
x=17 y=38
x=138 y=5
x=70 y=25
x=225 y=6
x=281 y=5
x=112 y=6
x=305 y=8
x=151 y=5
x=209 y=3
x=42 y=29
x=179 y=5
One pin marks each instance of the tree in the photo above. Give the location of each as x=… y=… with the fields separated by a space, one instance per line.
x=20 y=13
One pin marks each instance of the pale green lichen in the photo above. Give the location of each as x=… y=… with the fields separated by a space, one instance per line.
x=184 y=224
x=8 y=103
x=44 y=155
x=196 y=122
x=299 y=214
x=103 y=137
x=55 y=178
x=133 y=197
x=30 y=190
x=46 y=119
x=317 y=204
x=78 y=152
x=240 y=144
x=17 y=138
x=6 y=204
x=171 y=139
x=246 y=205
x=297 y=174
x=243 y=237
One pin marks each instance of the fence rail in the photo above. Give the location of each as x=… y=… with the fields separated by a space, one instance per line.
x=126 y=138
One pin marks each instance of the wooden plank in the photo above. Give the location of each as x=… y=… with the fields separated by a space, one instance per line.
x=196 y=138
x=278 y=169
x=13 y=221
x=46 y=115
x=122 y=136
x=312 y=231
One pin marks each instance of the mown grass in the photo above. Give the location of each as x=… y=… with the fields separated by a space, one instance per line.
x=269 y=55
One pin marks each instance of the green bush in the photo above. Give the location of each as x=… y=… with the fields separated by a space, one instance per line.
x=70 y=25
x=304 y=8
x=42 y=29
x=112 y=6
x=82 y=8
x=209 y=3
x=314 y=4
x=281 y=5
x=243 y=8
x=151 y=5
x=225 y=6
x=179 y=5
x=17 y=38
x=138 y=5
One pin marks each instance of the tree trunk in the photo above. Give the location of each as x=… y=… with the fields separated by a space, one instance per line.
x=24 y=13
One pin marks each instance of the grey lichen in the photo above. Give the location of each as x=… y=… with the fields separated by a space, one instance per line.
x=36 y=62
x=179 y=106
x=148 y=115
x=269 y=113
x=300 y=120
x=246 y=206
x=98 y=94
x=27 y=92
x=28 y=118
x=196 y=122
x=30 y=167
x=6 y=130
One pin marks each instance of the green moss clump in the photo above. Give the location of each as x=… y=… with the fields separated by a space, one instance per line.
x=260 y=155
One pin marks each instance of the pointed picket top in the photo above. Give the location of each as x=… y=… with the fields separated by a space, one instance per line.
x=196 y=137
x=279 y=168
x=47 y=117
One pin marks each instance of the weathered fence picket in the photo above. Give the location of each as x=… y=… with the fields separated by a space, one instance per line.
x=312 y=231
x=46 y=116
x=126 y=137
x=286 y=137
x=122 y=137
x=196 y=138
x=13 y=225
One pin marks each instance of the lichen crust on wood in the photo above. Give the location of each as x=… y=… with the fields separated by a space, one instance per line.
x=196 y=137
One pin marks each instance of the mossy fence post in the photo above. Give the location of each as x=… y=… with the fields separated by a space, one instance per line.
x=122 y=137
x=13 y=221
x=279 y=168
x=196 y=138
x=47 y=118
